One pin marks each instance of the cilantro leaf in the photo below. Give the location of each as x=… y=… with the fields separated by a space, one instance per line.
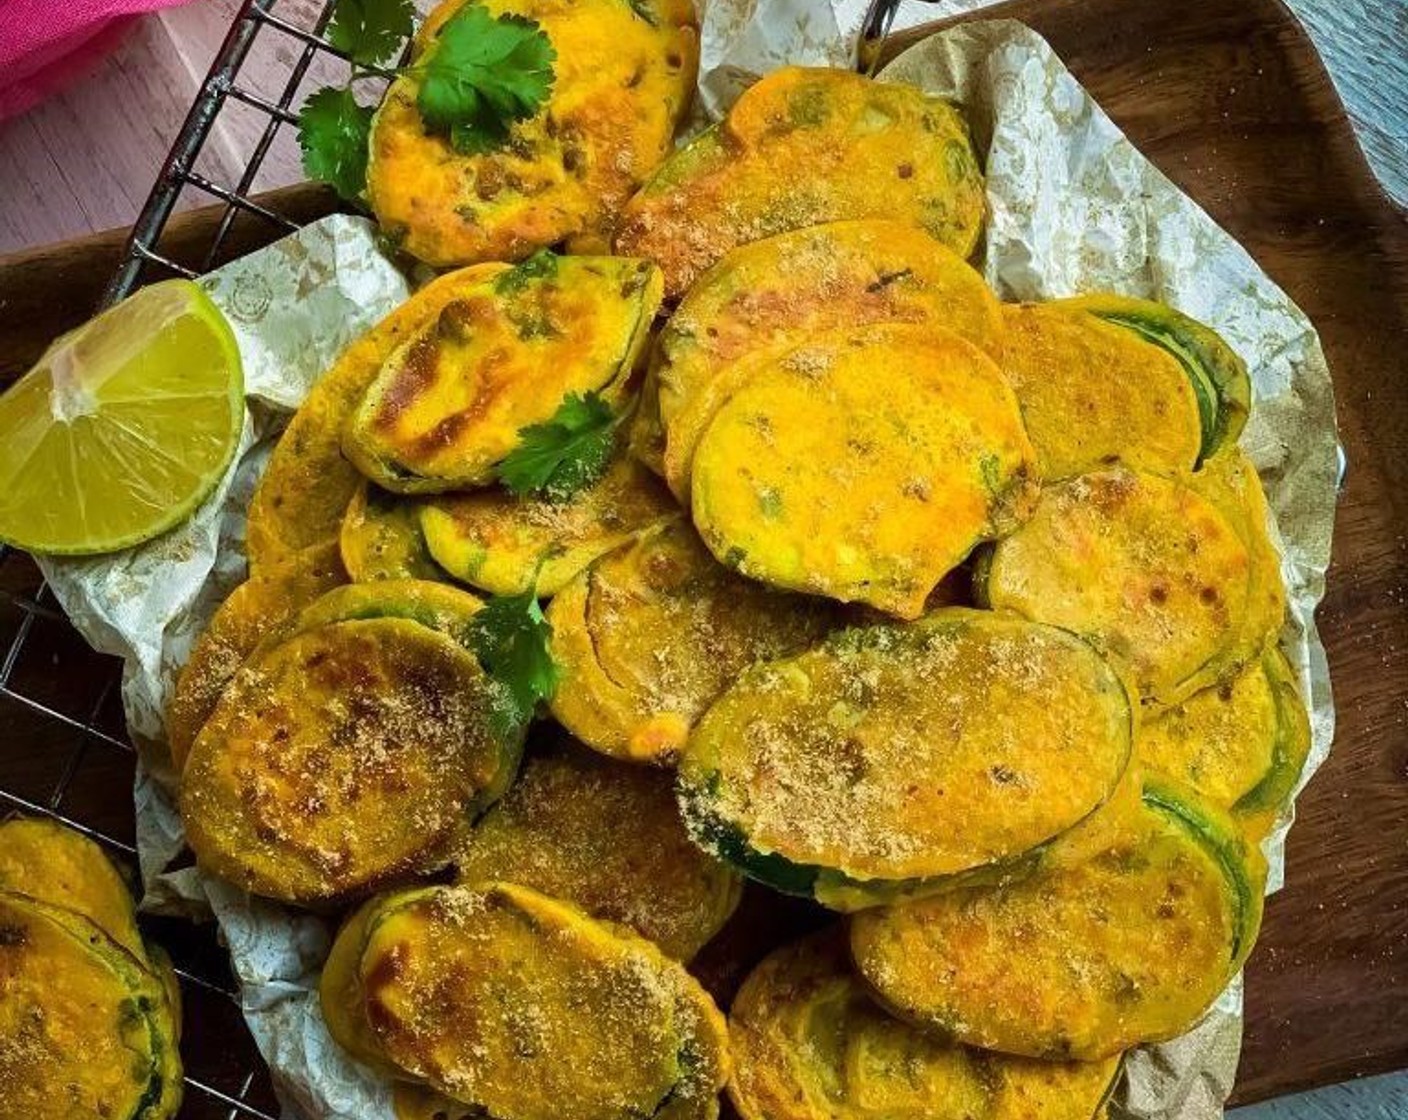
x=565 y=454
x=510 y=636
x=483 y=74
x=333 y=131
x=371 y=31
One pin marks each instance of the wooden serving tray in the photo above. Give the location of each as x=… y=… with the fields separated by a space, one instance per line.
x=1230 y=100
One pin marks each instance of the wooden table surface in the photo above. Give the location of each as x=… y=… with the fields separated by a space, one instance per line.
x=1328 y=988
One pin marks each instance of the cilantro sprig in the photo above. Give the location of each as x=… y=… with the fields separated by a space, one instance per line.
x=564 y=455
x=510 y=635
x=481 y=74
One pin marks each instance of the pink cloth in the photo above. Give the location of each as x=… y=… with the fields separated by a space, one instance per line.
x=45 y=44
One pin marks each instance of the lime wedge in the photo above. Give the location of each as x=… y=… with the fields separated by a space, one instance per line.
x=123 y=427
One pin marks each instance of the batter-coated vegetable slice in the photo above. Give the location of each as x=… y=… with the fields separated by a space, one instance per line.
x=340 y=988
x=348 y=755
x=1146 y=567
x=1125 y=938
x=261 y=608
x=53 y=864
x=1218 y=376
x=541 y=1012
x=893 y=758
x=305 y=489
x=450 y=403
x=799 y=148
x=502 y=543
x=623 y=77
x=1093 y=392
x=381 y=538
x=810 y=1044
x=1241 y=745
x=771 y=295
x=607 y=837
x=864 y=466
x=85 y=1030
x=650 y=634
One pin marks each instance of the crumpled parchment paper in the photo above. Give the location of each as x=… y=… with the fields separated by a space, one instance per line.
x=1073 y=207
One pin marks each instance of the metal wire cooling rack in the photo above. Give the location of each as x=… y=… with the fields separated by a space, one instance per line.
x=64 y=751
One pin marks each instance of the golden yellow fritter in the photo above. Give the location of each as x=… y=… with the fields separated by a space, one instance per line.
x=772 y=295
x=892 y=758
x=799 y=148
x=353 y=752
x=624 y=77
x=307 y=484
x=650 y=634
x=607 y=837
x=864 y=466
x=381 y=538
x=541 y=1012
x=502 y=544
x=450 y=403
x=1146 y=567
x=1124 y=936
x=809 y=1044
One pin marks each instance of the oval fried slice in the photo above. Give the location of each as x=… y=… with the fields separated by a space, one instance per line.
x=1126 y=938
x=502 y=544
x=1093 y=392
x=1146 y=567
x=84 y=1029
x=771 y=295
x=54 y=864
x=809 y=1044
x=260 y=609
x=381 y=538
x=864 y=466
x=542 y=1012
x=307 y=484
x=1218 y=376
x=450 y=403
x=893 y=758
x=1241 y=745
x=560 y=830
x=344 y=757
x=650 y=634
x=799 y=148
x=623 y=78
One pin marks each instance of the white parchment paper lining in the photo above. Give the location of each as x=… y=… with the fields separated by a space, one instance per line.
x=1073 y=207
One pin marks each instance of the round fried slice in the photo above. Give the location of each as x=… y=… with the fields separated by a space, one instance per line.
x=1218 y=376
x=809 y=1044
x=260 y=609
x=771 y=295
x=452 y=401
x=623 y=76
x=54 y=864
x=607 y=837
x=803 y=147
x=346 y=756
x=503 y=544
x=1241 y=745
x=540 y=1011
x=1146 y=567
x=864 y=466
x=892 y=758
x=381 y=538
x=307 y=484
x=1093 y=392
x=84 y=1029
x=650 y=634
x=1125 y=939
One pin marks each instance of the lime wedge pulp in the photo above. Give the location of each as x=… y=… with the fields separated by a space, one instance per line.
x=123 y=427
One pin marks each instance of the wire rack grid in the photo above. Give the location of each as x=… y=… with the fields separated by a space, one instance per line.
x=64 y=749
